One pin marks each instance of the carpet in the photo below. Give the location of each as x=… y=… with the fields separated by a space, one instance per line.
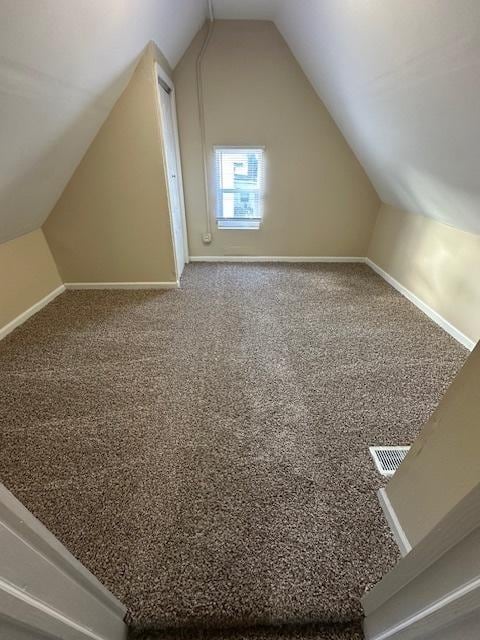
x=352 y=631
x=204 y=451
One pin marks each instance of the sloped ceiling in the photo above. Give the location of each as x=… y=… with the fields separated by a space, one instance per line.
x=63 y=64
x=402 y=80
x=400 y=77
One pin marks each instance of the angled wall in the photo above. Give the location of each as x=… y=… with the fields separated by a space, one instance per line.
x=401 y=80
x=63 y=65
x=443 y=464
x=318 y=198
x=28 y=274
x=436 y=262
x=111 y=224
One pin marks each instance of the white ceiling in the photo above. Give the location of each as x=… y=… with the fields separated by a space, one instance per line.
x=63 y=64
x=400 y=77
x=402 y=80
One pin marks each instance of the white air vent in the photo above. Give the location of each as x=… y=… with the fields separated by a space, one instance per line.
x=388 y=459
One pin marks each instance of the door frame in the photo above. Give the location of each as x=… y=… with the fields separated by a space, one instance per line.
x=435 y=587
x=161 y=74
x=44 y=590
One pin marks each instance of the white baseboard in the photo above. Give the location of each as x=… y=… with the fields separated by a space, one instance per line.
x=423 y=306
x=16 y=322
x=277 y=259
x=394 y=523
x=122 y=285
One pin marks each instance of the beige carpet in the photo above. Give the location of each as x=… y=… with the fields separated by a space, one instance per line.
x=204 y=451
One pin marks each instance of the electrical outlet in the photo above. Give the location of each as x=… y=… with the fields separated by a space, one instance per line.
x=207 y=238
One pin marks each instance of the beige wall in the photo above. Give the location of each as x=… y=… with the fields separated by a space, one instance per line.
x=318 y=198
x=444 y=462
x=111 y=223
x=438 y=263
x=28 y=274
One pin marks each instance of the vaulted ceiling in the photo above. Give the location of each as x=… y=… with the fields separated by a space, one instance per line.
x=63 y=64
x=402 y=80
x=400 y=77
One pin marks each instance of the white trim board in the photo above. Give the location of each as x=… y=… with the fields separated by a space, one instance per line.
x=20 y=319
x=35 y=308
x=457 y=525
x=46 y=588
x=434 y=585
x=434 y=619
x=162 y=77
x=277 y=259
x=423 y=306
x=394 y=523
x=433 y=315
x=25 y=612
x=122 y=285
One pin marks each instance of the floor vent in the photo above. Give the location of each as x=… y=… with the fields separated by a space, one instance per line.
x=388 y=459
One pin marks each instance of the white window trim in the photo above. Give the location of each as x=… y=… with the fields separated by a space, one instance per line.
x=233 y=147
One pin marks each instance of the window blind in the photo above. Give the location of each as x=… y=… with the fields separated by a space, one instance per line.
x=239 y=173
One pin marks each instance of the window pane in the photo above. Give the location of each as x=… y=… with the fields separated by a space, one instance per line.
x=228 y=205
x=246 y=204
x=239 y=184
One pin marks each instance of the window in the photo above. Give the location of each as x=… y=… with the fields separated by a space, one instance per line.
x=239 y=187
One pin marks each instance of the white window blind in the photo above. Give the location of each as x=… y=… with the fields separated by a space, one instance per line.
x=239 y=187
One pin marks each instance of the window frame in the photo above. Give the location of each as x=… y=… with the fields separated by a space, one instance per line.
x=236 y=222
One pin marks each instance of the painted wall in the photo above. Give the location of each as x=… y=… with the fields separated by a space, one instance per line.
x=401 y=80
x=63 y=65
x=112 y=223
x=318 y=199
x=28 y=273
x=438 y=263
x=443 y=464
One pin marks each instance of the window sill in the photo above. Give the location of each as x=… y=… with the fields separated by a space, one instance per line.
x=238 y=226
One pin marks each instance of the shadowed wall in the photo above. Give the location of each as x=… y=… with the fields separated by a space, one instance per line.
x=112 y=222
x=438 y=263
x=28 y=273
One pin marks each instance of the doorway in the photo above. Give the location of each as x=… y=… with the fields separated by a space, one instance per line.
x=171 y=154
